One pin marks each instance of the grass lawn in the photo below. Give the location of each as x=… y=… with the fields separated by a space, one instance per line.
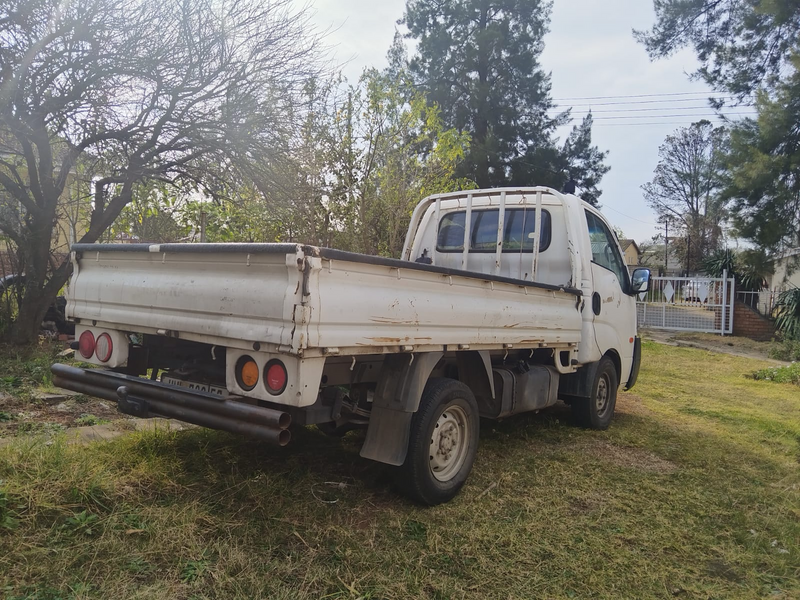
x=694 y=492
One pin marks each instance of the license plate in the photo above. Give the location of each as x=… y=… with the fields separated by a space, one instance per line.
x=196 y=386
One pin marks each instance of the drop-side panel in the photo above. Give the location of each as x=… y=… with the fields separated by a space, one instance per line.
x=358 y=304
x=232 y=296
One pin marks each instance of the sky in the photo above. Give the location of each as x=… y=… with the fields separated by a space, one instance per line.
x=594 y=63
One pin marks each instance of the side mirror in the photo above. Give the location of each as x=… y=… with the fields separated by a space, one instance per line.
x=640 y=281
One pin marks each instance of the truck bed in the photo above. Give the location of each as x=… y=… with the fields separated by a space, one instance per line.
x=311 y=301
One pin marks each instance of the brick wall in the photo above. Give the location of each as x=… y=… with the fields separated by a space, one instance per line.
x=748 y=323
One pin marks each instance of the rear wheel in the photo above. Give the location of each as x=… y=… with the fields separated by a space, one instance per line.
x=442 y=444
x=597 y=411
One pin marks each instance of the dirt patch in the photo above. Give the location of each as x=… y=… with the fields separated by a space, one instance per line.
x=587 y=503
x=729 y=344
x=109 y=431
x=44 y=413
x=630 y=457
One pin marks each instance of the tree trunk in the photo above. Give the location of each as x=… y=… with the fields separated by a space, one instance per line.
x=42 y=286
x=37 y=297
x=25 y=329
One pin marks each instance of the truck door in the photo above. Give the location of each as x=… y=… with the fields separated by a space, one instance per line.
x=614 y=309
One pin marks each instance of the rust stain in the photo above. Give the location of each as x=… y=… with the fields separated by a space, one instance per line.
x=386 y=340
x=512 y=325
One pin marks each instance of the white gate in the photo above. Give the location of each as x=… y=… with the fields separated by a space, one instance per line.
x=688 y=304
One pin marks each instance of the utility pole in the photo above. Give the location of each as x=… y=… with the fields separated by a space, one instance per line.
x=688 y=252
x=666 y=245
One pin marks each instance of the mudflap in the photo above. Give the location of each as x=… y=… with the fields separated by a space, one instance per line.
x=402 y=379
x=637 y=362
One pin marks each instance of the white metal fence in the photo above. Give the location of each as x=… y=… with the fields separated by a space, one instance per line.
x=762 y=301
x=688 y=304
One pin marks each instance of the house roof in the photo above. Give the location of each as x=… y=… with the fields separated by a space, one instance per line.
x=626 y=243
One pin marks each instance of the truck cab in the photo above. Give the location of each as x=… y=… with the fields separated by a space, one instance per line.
x=493 y=232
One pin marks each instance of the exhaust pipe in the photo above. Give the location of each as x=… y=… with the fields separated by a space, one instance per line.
x=144 y=398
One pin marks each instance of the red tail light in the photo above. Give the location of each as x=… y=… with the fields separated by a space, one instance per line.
x=103 y=348
x=86 y=344
x=275 y=377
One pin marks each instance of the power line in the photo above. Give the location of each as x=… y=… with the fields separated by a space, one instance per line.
x=636 y=96
x=660 y=108
x=654 y=123
x=646 y=101
x=629 y=217
x=702 y=115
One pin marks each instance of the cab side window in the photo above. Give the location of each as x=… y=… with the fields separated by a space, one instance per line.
x=604 y=249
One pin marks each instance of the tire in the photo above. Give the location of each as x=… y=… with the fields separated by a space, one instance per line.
x=442 y=444
x=597 y=411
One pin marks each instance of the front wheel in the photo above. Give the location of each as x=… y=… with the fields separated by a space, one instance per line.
x=442 y=444
x=596 y=412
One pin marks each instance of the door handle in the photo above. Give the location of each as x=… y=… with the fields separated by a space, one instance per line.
x=596 y=303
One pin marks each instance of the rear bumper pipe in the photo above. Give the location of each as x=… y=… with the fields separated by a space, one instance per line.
x=144 y=398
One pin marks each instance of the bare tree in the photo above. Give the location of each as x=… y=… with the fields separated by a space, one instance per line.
x=685 y=190
x=183 y=91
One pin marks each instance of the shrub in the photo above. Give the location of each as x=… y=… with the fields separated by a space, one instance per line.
x=86 y=420
x=788 y=350
x=788 y=374
x=787 y=314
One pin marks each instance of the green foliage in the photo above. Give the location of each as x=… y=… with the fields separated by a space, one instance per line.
x=86 y=420
x=748 y=267
x=45 y=427
x=479 y=62
x=151 y=215
x=581 y=161
x=194 y=570
x=787 y=314
x=748 y=48
x=138 y=566
x=10 y=382
x=385 y=153
x=83 y=523
x=7 y=518
x=685 y=190
x=27 y=366
x=788 y=374
x=366 y=154
x=788 y=350
x=764 y=162
x=742 y=44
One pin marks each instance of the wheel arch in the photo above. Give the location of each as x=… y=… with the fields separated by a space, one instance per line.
x=579 y=384
x=614 y=356
x=475 y=371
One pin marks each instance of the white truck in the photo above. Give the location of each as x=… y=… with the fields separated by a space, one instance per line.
x=482 y=317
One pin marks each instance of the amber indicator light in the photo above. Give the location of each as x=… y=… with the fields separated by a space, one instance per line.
x=246 y=373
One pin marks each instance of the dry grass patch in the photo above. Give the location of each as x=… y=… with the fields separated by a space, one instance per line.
x=692 y=493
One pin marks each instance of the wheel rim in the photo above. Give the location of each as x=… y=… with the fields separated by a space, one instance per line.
x=449 y=443
x=601 y=398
